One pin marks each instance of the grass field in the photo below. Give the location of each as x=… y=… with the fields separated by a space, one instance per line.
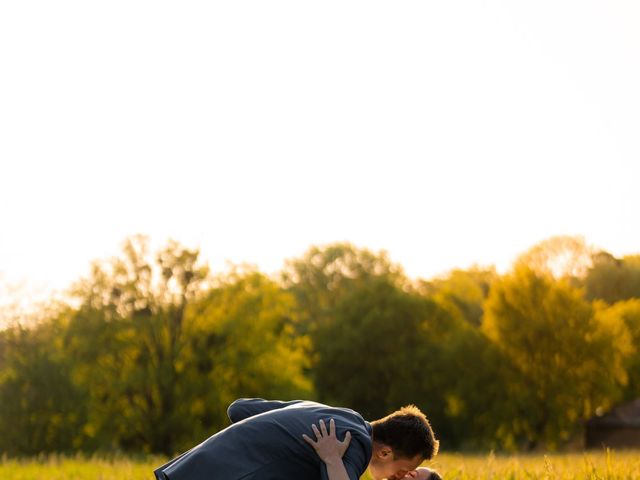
x=593 y=465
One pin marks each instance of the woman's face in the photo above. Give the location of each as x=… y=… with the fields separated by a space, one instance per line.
x=386 y=466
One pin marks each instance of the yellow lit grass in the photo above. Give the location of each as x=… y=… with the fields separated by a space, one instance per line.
x=616 y=465
x=600 y=465
x=58 y=467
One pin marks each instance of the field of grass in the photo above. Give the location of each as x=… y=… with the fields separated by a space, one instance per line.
x=56 y=467
x=592 y=465
x=605 y=465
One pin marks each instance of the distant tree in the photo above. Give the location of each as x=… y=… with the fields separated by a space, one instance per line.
x=383 y=348
x=320 y=281
x=462 y=290
x=41 y=409
x=613 y=279
x=473 y=373
x=324 y=275
x=163 y=347
x=627 y=312
x=566 y=360
x=561 y=257
x=244 y=343
x=128 y=342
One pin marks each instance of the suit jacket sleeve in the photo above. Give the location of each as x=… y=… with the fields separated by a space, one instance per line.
x=248 y=407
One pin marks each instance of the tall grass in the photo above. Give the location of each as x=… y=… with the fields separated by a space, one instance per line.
x=603 y=465
x=79 y=467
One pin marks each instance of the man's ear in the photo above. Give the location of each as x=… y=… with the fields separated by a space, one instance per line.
x=386 y=452
x=382 y=451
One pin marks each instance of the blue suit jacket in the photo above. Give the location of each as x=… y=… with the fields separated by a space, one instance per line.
x=265 y=442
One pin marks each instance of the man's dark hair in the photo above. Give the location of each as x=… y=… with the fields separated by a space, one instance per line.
x=408 y=432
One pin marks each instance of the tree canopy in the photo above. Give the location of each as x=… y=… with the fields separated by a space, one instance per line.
x=151 y=347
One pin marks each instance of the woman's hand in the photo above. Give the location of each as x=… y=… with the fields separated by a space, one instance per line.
x=327 y=445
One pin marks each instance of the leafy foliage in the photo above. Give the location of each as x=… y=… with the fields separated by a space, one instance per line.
x=153 y=347
x=556 y=346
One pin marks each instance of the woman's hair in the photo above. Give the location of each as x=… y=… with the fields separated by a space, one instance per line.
x=408 y=432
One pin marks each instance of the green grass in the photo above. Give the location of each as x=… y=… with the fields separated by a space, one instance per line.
x=592 y=465
x=54 y=467
x=605 y=465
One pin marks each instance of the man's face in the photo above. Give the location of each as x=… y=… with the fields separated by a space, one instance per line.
x=391 y=468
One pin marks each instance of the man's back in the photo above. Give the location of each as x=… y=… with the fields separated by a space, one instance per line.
x=265 y=442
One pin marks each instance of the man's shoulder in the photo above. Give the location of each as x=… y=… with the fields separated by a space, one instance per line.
x=292 y=411
x=324 y=409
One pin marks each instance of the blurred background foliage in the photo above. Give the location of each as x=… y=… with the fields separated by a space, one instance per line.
x=150 y=348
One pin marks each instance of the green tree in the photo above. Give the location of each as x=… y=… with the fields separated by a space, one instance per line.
x=627 y=312
x=613 y=279
x=383 y=348
x=41 y=409
x=127 y=340
x=567 y=257
x=324 y=275
x=558 y=349
x=244 y=343
x=472 y=369
x=462 y=290
x=320 y=281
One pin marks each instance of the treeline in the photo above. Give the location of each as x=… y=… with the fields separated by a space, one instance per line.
x=152 y=347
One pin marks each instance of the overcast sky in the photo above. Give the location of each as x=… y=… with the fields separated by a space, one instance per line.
x=448 y=133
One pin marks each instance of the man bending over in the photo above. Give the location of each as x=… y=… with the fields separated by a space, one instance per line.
x=265 y=441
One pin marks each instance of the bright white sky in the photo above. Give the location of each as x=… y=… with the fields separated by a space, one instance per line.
x=448 y=133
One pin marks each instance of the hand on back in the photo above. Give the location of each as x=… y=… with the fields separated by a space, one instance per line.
x=327 y=445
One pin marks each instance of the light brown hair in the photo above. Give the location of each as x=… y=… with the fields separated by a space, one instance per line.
x=408 y=432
